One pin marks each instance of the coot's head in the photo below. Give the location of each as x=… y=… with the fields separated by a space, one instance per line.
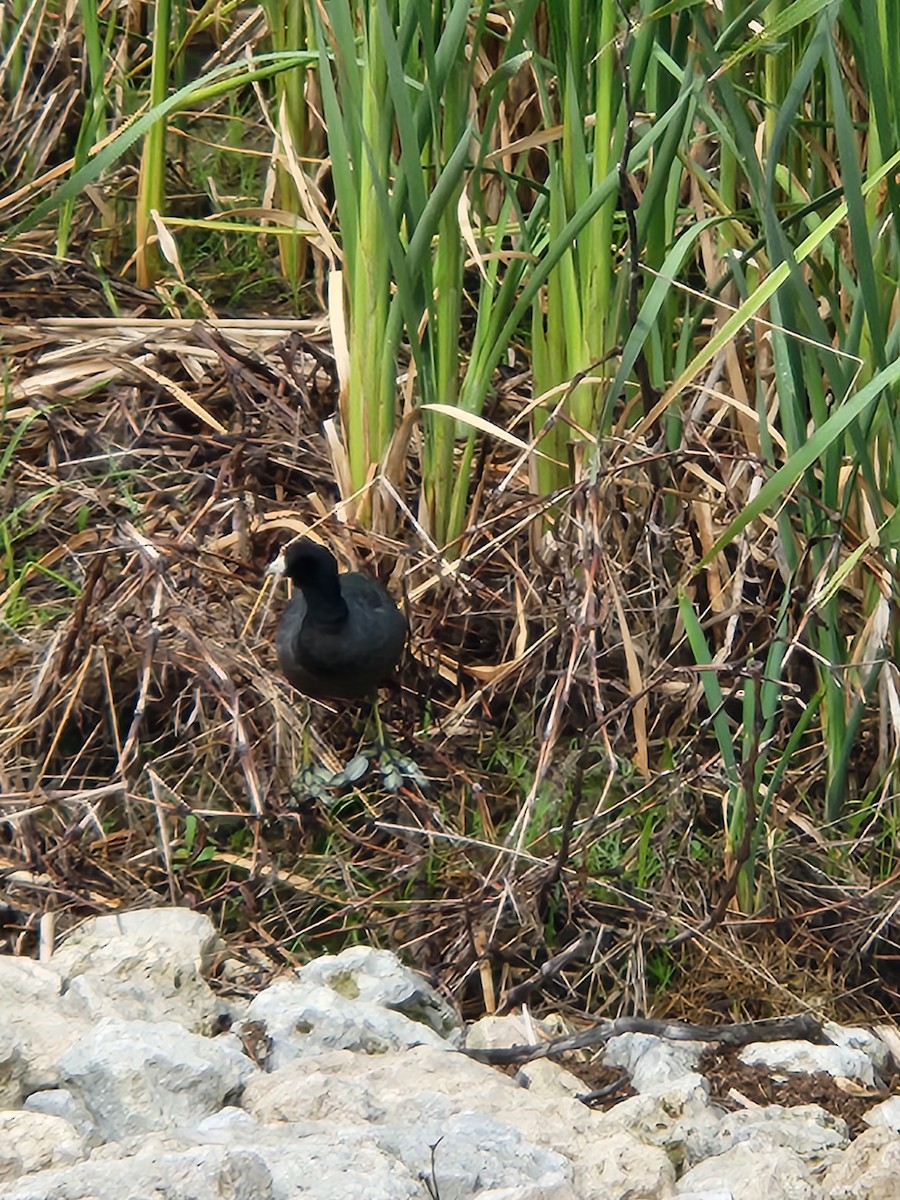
x=314 y=572
x=307 y=564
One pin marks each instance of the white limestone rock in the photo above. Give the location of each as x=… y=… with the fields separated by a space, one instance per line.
x=673 y=1116
x=35 y=1142
x=384 y=1090
x=795 y=1057
x=869 y=1168
x=140 y=1076
x=302 y=1017
x=652 y=1062
x=143 y=965
x=376 y=977
x=752 y=1171
x=886 y=1114
x=855 y=1037
x=809 y=1130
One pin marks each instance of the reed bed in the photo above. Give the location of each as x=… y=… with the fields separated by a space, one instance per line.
x=586 y=345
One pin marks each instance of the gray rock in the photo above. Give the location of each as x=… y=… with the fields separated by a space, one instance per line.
x=25 y=982
x=855 y=1037
x=752 y=1171
x=31 y=1141
x=886 y=1114
x=868 y=1170
x=32 y=1033
x=511 y=1030
x=138 y=1076
x=59 y=1102
x=108 y=1108
x=810 y=1131
x=376 y=977
x=303 y=1017
x=205 y=1173
x=338 y=1159
x=673 y=1116
x=713 y=1193
x=436 y=1086
x=793 y=1057
x=145 y=965
x=652 y=1062
x=13 y=1068
x=889 y=1036
x=549 y=1080
x=470 y=1153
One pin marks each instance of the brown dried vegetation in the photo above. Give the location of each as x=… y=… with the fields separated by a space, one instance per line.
x=149 y=743
x=149 y=471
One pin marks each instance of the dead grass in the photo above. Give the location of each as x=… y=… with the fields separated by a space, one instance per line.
x=148 y=743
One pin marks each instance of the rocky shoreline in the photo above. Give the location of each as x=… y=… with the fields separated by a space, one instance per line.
x=124 y=1076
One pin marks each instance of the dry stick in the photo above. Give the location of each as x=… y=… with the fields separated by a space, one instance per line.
x=161 y=808
x=61 y=725
x=560 y=699
x=137 y=719
x=564 y=685
x=552 y=967
x=111 y=706
x=568 y=824
x=748 y=785
x=803 y=1027
x=558 y=962
x=430 y=1180
x=229 y=697
x=79 y=614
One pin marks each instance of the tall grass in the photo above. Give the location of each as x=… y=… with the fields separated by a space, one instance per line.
x=398 y=86
x=290 y=29
x=683 y=221
x=833 y=339
x=578 y=313
x=152 y=181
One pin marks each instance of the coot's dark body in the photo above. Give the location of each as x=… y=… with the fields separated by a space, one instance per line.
x=341 y=635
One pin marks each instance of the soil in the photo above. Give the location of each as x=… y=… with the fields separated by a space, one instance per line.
x=735 y=1085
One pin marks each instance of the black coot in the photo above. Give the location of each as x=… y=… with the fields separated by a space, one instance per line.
x=341 y=635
